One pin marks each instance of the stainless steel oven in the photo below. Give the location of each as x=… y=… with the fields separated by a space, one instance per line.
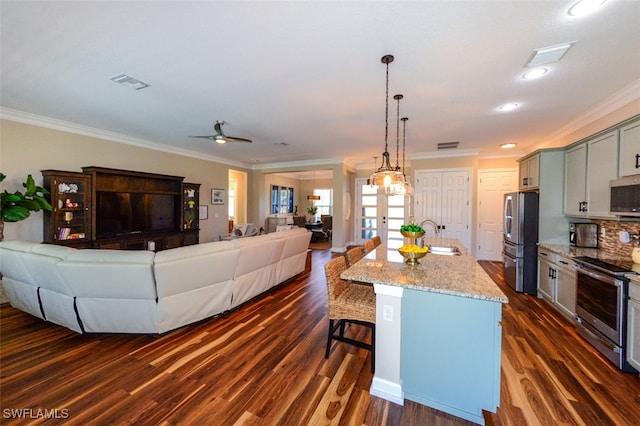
x=601 y=308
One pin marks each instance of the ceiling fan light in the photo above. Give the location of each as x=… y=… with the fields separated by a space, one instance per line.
x=219 y=139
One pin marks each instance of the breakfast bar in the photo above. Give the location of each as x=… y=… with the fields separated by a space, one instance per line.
x=438 y=331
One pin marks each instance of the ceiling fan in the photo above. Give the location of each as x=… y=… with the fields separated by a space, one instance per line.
x=220 y=137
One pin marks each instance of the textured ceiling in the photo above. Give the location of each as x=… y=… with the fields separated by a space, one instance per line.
x=308 y=74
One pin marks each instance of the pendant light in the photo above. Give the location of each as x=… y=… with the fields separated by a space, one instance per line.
x=313 y=197
x=386 y=175
x=404 y=187
x=408 y=189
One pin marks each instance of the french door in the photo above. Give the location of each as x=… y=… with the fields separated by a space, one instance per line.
x=379 y=214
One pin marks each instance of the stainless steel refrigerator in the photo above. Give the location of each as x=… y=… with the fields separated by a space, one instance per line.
x=520 y=241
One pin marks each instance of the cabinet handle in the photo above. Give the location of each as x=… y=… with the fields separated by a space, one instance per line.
x=637 y=158
x=564 y=263
x=543 y=253
x=550 y=275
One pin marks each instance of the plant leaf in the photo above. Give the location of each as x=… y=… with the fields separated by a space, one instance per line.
x=15 y=214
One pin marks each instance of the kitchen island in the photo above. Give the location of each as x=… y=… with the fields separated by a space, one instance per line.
x=438 y=332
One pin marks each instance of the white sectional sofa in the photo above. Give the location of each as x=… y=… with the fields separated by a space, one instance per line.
x=117 y=291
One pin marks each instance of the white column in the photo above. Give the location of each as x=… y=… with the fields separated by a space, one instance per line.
x=386 y=380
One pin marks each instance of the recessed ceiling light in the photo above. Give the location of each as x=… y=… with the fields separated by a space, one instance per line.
x=535 y=73
x=127 y=81
x=508 y=145
x=585 y=7
x=508 y=107
x=546 y=55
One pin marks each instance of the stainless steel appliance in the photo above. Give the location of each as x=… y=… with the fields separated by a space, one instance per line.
x=601 y=307
x=584 y=234
x=625 y=195
x=520 y=238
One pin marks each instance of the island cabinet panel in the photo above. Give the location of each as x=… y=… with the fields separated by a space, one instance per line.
x=450 y=353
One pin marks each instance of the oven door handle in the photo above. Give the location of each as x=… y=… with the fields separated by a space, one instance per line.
x=600 y=277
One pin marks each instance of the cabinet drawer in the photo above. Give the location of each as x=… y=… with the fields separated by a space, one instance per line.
x=565 y=263
x=634 y=291
x=547 y=255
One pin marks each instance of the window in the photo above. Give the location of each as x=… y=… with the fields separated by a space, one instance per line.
x=274 y=199
x=325 y=203
x=281 y=199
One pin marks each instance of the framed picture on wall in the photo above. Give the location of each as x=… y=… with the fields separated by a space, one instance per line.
x=217 y=196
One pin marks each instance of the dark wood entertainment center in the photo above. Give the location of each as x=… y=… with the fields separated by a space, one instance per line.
x=77 y=214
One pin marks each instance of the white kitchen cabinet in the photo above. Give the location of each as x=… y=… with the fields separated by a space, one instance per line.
x=557 y=281
x=575 y=181
x=633 y=326
x=589 y=167
x=529 y=172
x=546 y=281
x=630 y=149
x=565 y=286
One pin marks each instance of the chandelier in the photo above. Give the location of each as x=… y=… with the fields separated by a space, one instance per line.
x=386 y=175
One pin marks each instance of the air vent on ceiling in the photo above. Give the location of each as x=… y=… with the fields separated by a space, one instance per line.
x=448 y=145
x=128 y=81
x=547 y=55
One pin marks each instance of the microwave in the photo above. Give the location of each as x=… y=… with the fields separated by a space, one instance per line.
x=625 y=196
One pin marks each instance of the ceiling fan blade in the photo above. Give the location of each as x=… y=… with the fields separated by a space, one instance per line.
x=236 y=139
x=211 y=137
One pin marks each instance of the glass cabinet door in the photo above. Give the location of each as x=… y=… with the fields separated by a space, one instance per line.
x=190 y=205
x=70 y=198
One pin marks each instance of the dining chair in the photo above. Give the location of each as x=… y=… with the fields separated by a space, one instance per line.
x=354 y=254
x=368 y=245
x=349 y=304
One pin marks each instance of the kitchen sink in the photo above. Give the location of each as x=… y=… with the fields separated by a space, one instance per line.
x=445 y=250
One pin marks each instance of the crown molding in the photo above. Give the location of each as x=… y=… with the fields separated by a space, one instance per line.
x=614 y=102
x=79 y=129
x=297 y=165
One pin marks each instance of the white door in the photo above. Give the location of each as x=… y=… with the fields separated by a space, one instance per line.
x=492 y=185
x=443 y=196
x=379 y=214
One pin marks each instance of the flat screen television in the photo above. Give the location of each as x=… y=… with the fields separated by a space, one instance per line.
x=122 y=213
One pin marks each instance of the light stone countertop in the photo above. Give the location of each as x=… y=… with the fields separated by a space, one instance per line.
x=570 y=251
x=460 y=276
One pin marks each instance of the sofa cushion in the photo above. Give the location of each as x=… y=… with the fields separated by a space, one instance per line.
x=117 y=274
x=187 y=268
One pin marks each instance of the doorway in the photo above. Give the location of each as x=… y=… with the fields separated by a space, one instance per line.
x=492 y=185
x=237 y=196
x=379 y=214
x=443 y=196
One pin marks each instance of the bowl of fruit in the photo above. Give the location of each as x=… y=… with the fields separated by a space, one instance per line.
x=412 y=253
x=412 y=231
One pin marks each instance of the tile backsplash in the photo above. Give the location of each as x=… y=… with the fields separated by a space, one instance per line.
x=611 y=241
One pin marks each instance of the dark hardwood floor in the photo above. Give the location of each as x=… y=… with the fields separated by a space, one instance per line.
x=264 y=364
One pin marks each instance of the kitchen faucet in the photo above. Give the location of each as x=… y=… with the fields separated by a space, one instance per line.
x=433 y=223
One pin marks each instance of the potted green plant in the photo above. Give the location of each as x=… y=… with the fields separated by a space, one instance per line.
x=313 y=211
x=18 y=206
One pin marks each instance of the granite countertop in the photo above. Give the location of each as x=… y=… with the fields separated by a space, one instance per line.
x=460 y=276
x=607 y=256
